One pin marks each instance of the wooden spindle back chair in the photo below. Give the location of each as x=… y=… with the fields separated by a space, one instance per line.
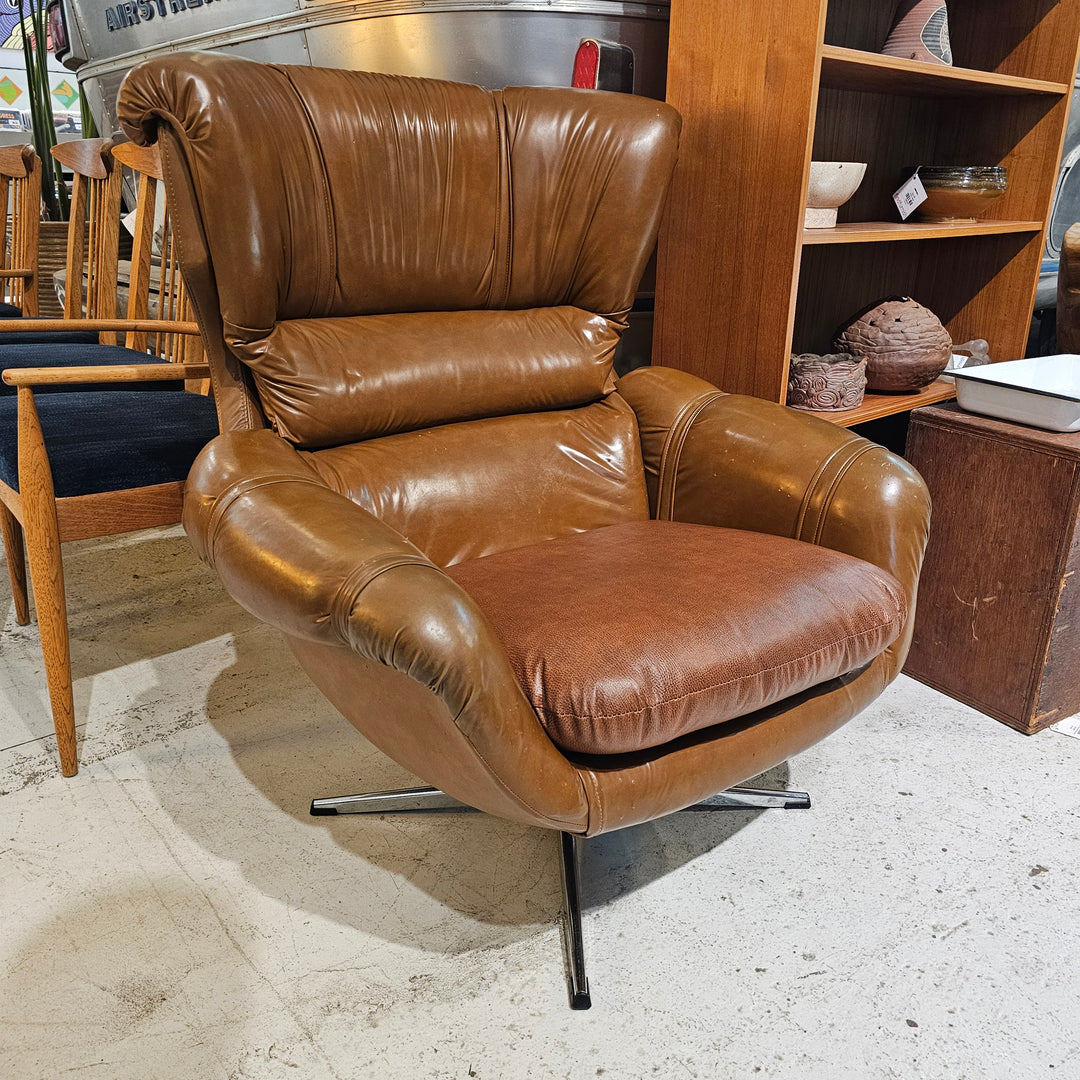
x=143 y=439
x=155 y=267
x=93 y=231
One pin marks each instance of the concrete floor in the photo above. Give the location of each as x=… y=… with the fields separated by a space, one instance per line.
x=173 y=911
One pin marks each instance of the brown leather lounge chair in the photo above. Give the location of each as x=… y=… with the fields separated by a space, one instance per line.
x=565 y=600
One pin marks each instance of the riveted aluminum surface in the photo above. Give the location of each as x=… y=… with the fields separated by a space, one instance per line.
x=523 y=42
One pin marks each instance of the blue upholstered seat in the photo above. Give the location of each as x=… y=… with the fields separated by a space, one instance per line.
x=108 y=442
x=95 y=355
x=50 y=337
x=47 y=337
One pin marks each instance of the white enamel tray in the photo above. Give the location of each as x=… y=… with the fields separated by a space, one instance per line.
x=1043 y=391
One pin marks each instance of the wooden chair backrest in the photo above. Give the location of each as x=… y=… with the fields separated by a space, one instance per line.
x=20 y=214
x=156 y=271
x=93 y=229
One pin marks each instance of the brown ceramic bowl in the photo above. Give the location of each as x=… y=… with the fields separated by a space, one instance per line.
x=960 y=193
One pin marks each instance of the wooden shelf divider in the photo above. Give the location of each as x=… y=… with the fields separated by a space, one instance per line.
x=875 y=406
x=852 y=69
x=871 y=232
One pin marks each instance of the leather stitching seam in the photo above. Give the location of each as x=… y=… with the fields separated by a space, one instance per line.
x=671 y=456
x=360 y=577
x=499 y=781
x=826 y=503
x=225 y=501
x=811 y=491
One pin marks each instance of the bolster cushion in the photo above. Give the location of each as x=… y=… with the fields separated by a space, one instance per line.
x=325 y=382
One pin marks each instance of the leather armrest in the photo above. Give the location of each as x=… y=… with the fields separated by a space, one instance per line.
x=320 y=568
x=744 y=463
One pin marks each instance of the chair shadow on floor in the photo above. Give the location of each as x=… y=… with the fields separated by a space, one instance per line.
x=290 y=745
x=131 y=598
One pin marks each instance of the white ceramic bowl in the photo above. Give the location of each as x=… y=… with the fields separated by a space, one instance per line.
x=832 y=183
x=1043 y=391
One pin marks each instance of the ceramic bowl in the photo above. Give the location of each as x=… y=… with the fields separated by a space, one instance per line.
x=832 y=183
x=960 y=192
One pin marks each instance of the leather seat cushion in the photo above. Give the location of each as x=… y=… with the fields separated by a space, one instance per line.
x=632 y=635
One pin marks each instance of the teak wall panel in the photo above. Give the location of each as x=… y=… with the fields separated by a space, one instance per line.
x=849 y=127
x=730 y=242
x=1024 y=134
x=1033 y=38
x=859 y=24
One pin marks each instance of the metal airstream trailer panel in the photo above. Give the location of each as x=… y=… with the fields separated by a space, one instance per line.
x=491 y=43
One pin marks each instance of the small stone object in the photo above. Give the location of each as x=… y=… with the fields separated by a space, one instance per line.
x=976 y=351
x=829 y=383
x=920 y=32
x=905 y=345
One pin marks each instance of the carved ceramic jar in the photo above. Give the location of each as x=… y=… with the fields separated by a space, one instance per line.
x=829 y=383
x=905 y=345
x=920 y=32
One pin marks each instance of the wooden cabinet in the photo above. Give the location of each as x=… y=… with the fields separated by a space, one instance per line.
x=999 y=598
x=765 y=88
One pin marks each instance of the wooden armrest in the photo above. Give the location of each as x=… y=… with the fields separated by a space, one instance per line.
x=138 y=326
x=15 y=273
x=114 y=373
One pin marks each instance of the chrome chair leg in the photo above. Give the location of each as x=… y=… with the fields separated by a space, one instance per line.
x=572 y=936
x=423 y=800
x=740 y=798
x=432 y=800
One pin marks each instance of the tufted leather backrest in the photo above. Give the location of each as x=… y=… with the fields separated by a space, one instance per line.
x=374 y=255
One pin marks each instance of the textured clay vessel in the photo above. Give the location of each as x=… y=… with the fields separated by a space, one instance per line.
x=832 y=183
x=829 y=383
x=920 y=32
x=905 y=345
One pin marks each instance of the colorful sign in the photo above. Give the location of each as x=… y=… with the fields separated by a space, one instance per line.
x=8 y=90
x=65 y=93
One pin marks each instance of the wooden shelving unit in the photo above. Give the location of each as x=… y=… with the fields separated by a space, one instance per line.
x=763 y=90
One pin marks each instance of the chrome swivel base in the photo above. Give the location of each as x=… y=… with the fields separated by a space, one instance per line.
x=431 y=800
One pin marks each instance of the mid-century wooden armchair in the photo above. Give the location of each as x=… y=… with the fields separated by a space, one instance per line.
x=20 y=215
x=78 y=463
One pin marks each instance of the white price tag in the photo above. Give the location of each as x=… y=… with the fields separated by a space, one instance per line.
x=1069 y=726
x=909 y=196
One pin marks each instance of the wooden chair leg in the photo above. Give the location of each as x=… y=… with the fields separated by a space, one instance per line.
x=47 y=574
x=16 y=562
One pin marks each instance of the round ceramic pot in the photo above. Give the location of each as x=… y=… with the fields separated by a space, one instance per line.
x=905 y=345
